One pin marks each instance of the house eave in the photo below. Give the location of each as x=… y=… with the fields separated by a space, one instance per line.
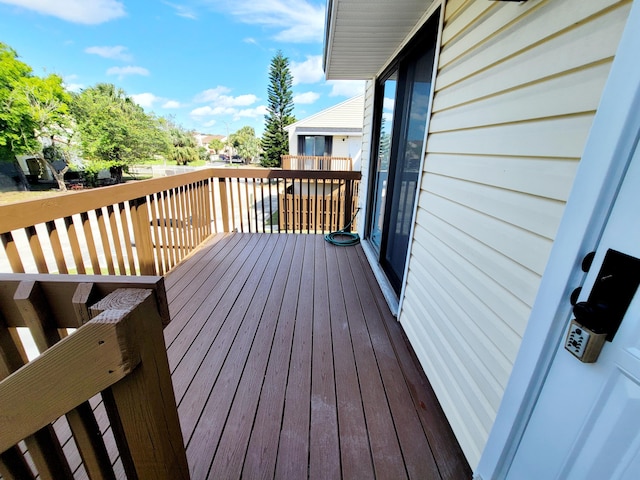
x=361 y=36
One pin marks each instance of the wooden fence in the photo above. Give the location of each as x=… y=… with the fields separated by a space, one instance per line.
x=148 y=227
x=314 y=206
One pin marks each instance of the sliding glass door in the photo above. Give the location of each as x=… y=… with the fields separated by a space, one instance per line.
x=402 y=119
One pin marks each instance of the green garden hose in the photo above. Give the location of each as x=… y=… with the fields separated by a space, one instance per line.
x=343 y=238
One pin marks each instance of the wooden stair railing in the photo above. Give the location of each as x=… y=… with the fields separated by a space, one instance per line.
x=52 y=422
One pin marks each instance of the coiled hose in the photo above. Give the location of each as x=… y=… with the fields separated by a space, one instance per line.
x=343 y=238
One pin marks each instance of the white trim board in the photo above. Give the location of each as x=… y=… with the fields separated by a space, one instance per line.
x=611 y=142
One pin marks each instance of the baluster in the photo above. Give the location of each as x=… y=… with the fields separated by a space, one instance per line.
x=44 y=447
x=91 y=246
x=104 y=240
x=72 y=234
x=115 y=233
x=126 y=234
x=142 y=235
x=165 y=228
x=36 y=249
x=56 y=246
x=224 y=204
x=11 y=251
x=156 y=226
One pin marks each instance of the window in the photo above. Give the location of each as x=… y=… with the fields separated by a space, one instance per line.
x=315 y=146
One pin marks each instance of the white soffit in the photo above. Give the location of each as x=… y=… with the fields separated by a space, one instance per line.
x=361 y=35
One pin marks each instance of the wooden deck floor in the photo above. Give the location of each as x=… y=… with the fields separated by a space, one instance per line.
x=287 y=363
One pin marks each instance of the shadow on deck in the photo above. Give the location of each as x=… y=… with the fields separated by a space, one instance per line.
x=287 y=363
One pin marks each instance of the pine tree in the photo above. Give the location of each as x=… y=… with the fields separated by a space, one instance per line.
x=275 y=141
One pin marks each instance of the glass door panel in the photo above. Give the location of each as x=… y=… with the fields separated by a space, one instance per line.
x=381 y=173
x=403 y=179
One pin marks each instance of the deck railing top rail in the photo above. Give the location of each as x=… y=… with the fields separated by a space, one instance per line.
x=149 y=226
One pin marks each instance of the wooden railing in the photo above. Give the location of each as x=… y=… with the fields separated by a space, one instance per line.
x=98 y=402
x=148 y=227
x=303 y=162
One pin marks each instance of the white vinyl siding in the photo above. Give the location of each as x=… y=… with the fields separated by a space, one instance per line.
x=516 y=91
x=367 y=127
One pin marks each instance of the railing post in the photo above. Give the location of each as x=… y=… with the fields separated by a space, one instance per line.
x=142 y=407
x=142 y=236
x=348 y=200
x=224 y=204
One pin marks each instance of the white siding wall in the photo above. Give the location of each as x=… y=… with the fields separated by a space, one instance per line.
x=367 y=126
x=517 y=88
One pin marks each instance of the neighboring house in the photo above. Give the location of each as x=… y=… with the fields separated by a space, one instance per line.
x=204 y=139
x=334 y=132
x=497 y=137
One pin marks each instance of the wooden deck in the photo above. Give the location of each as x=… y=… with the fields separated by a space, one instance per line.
x=287 y=363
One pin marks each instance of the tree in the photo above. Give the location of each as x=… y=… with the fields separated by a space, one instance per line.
x=115 y=132
x=216 y=145
x=246 y=143
x=275 y=141
x=32 y=109
x=183 y=146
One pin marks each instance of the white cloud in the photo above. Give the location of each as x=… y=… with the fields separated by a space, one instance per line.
x=149 y=100
x=211 y=94
x=183 y=11
x=171 y=104
x=76 y=11
x=218 y=98
x=309 y=71
x=219 y=103
x=259 y=111
x=70 y=84
x=210 y=123
x=297 y=21
x=388 y=103
x=74 y=87
x=306 y=98
x=117 y=52
x=202 y=112
x=145 y=100
x=130 y=70
x=346 y=88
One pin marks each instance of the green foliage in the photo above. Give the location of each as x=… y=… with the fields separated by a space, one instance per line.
x=203 y=154
x=216 y=145
x=92 y=169
x=246 y=143
x=30 y=107
x=183 y=147
x=275 y=141
x=115 y=130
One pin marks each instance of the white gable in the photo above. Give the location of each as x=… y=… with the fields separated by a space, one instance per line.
x=346 y=117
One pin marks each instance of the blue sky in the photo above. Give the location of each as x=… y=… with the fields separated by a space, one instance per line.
x=205 y=62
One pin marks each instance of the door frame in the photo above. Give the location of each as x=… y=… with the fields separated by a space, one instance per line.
x=608 y=150
x=393 y=299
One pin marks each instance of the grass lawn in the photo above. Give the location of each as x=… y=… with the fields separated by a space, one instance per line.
x=13 y=197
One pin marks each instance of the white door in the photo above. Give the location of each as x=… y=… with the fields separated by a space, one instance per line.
x=586 y=423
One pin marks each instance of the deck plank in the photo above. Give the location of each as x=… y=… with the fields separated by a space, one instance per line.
x=225 y=366
x=385 y=448
x=355 y=453
x=293 y=449
x=231 y=451
x=288 y=364
x=417 y=455
x=442 y=442
x=324 y=458
x=260 y=460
